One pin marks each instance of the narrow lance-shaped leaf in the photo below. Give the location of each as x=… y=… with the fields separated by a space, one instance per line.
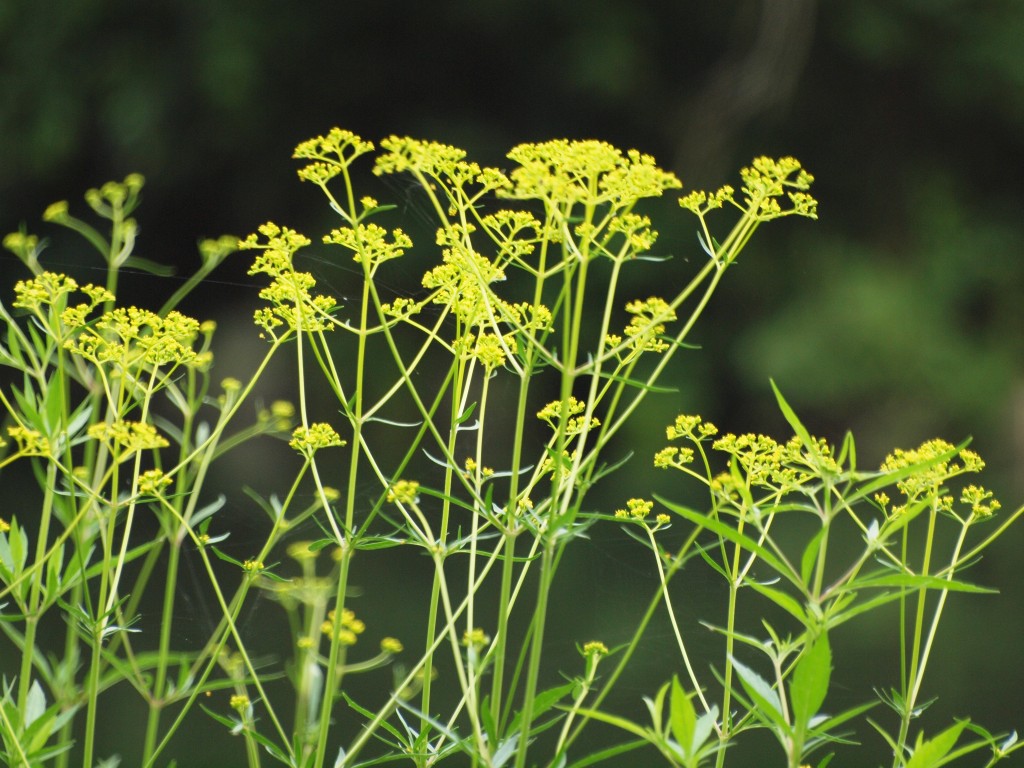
x=764 y=698
x=810 y=680
x=932 y=753
x=682 y=717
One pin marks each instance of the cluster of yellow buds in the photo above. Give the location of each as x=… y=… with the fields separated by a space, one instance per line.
x=347 y=628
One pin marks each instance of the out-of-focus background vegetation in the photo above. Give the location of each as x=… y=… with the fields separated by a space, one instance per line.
x=898 y=315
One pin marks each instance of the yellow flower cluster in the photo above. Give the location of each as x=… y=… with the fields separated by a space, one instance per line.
x=938 y=464
x=515 y=233
x=490 y=349
x=472 y=466
x=648 y=324
x=403 y=492
x=115 y=196
x=563 y=172
x=127 y=437
x=562 y=464
x=595 y=648
x=239 y=702
x=131 y=338
x=347 y=630
x=369 y=243
x=309 y=440
x=45 y=289
x=404 y=154
x=636 y=509
x=640 y=238
x=330 y=155
x=766 y=180
x=152 y=481
x=575 y=423
x=30 y=442
x=462 y=282
x=692 y=427
x=293 y=306
x=700 y=202
x=24 y=246
x=475 y=638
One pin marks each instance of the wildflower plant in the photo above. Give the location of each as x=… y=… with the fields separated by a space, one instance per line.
x=519 y=359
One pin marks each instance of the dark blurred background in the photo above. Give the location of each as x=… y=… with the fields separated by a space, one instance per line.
x=897 y=315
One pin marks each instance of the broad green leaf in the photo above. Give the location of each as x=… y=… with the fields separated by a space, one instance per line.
x=545 y=700
x=810 y=680
x=705 y=725
x=764 y=697
x=36 y=704
x=682 y=717
x=781 y=599
x=932 y=753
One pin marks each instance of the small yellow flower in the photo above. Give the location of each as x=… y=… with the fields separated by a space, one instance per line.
x=403 y=492
x=575 y=422
x=637 y=509
x=595 y=648
x=30 y=442
x=56 y=212
x=240 y=703
x=346 y=630
x=308 y=440
x=977 y=497
x=45 y=289
x=128 y=436
x=253 y=566
x=391 y=645
x=152 y=481
x=4 y=526
x=475 y=638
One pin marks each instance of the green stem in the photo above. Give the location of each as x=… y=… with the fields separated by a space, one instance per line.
x=35 y=593
x=158 y=689
x=536 y=650
x=730 y=644
x=909 y=695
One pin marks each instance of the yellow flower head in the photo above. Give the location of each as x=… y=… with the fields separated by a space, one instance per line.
x=403 y=492
x=309 y=440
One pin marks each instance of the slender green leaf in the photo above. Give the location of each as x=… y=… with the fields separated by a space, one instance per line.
x=916 y=581
x=765 y=698
x=798 y=428
x=932 y=753
x=810 y=555
x=729 y=533
x=781 y=599
x=682 y=717
x=810 y=680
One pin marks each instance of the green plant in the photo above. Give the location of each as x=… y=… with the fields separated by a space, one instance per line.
x=481 y=419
